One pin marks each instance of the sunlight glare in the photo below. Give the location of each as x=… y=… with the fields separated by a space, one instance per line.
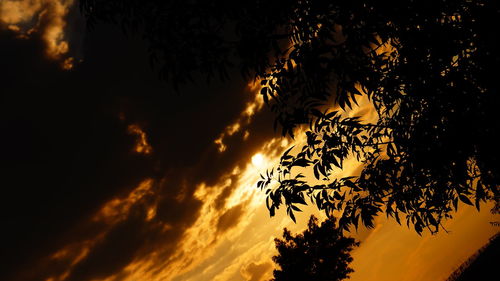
x=258 y=160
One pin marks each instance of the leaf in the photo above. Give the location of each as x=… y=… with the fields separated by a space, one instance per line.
x=351 y=185
x=292 y=216
x=316 y=171
x=396 y=215
x=335 y=162
x=432 y=220
x=418 y=228
x=318 y=201
x=480 y=194
x=465 y=199
x=355 y=220
x=288 y=150
x=321 y=169
x=264 y=92
x=301 y=162
x=337 y=196
x=300 y=200
x=330 y=115
x=324 y=194
x=272 y=211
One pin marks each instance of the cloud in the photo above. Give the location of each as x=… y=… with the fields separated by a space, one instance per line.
x=67 y=156
x=142 y=145
x=256 y=271
x=230 y=218
x=120 y=246
x=47 y=19
x=121 y=179
x=244 y=119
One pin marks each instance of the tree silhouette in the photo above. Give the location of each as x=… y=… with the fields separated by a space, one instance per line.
x=428 y=68
x=320 y=253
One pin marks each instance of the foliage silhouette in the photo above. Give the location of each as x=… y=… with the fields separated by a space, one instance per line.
x=320 y=253
x=428 y=68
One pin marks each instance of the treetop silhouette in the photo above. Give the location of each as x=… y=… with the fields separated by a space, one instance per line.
x=320 y=253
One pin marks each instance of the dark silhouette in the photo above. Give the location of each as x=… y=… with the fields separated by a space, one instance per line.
x=320 y=253
x=428 y=67
x=482 y=265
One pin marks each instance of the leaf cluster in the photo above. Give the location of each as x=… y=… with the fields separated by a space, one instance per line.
x=427 y=70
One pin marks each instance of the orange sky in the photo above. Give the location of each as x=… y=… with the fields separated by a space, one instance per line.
x=231 y=235
x=234 y=241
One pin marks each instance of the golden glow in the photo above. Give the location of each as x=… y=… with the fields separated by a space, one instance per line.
x=68 y=63
x=45 y=17
x=392 y=252
x=258 y=160
x=117 y=209
x=221 y=147
x=141 y=146
x=151 y=213
x=15 y=12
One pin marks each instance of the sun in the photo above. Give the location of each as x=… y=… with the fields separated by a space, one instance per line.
x=258 y=160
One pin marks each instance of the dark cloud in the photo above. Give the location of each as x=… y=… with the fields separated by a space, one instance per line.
x=230 y=218
x=227 y=190
x=178 y=212
x=117 y=250
x=214 y=164
x=65 y=152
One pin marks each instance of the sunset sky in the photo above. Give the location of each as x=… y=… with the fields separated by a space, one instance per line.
x=109 y=174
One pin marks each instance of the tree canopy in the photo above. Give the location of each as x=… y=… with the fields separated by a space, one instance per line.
x=428 y=68
x=432 y=87
x=320 y=253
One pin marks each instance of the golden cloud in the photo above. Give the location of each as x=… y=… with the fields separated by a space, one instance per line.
x=256 y=271
x=47 y=18
x=141 y=146
x=89 y=235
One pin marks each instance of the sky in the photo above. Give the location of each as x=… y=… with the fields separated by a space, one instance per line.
x=109 y=174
